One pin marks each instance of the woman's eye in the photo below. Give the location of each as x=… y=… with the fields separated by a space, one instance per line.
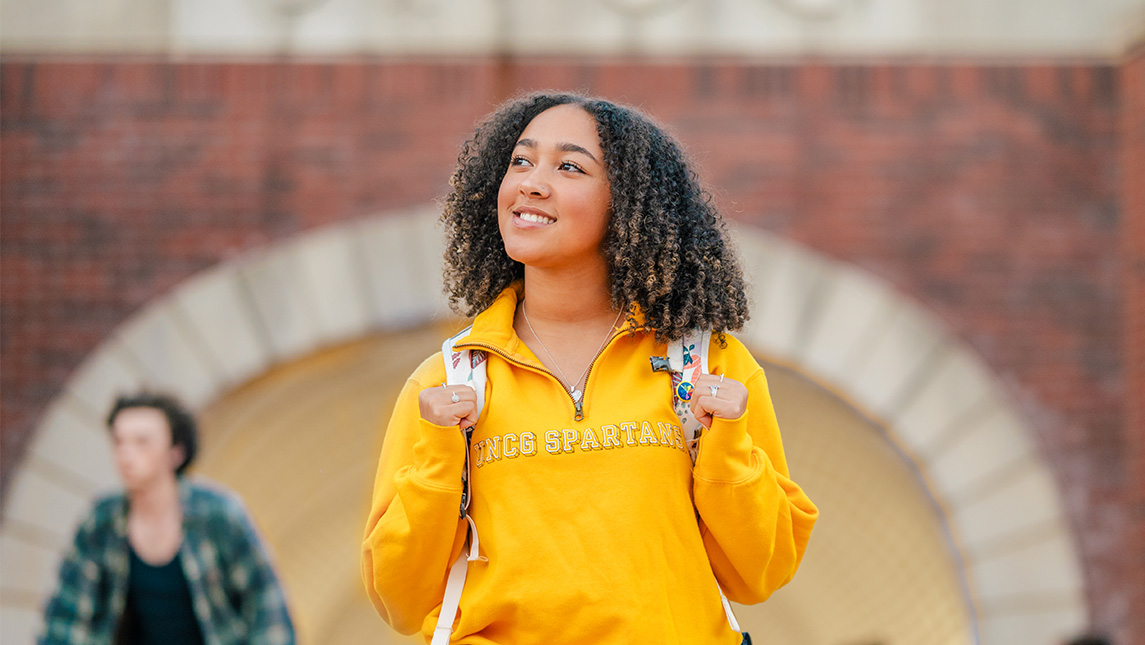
x=518 y=161
x=570 y=167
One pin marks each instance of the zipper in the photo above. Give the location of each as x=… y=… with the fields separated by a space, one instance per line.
x=578 y=406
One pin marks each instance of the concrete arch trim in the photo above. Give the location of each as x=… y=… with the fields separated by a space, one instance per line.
x=843 y=327
x=945 y=412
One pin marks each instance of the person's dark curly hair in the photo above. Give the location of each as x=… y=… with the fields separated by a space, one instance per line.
x=666 y=247
x=184 y=429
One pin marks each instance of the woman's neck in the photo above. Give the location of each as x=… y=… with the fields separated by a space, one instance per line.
x=565 y=319
x=575 y=296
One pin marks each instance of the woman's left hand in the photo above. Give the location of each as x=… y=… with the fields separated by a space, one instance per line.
x=716 y=396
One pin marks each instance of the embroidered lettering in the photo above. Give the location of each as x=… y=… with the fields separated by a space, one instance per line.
x=588 y=440
x=610 y=436
x=553 y=442
x=479 y=459
x=528 y=444
x=628 y=428
x=646 y=435
x=565 y=441
x=569 y=437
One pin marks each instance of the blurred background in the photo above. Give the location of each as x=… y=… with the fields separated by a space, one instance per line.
x=940 y=207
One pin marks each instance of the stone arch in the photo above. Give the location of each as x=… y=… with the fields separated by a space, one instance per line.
x=839 y=326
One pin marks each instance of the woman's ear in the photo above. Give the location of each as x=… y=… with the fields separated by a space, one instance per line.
x=176 y=455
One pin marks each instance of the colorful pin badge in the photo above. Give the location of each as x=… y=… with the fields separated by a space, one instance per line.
x=684 y=391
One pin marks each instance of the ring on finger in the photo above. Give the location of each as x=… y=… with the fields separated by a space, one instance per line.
x=714 y=388
x=455 y=398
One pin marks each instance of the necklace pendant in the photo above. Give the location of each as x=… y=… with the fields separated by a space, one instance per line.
x=576 y=394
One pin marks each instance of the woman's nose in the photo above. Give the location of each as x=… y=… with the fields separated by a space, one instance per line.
x=534 y=185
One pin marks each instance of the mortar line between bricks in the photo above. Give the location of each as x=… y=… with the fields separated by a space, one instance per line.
x=363 y=280
x=62 y=476
x=34 y=534
x=867 y=338
x=296 y=268
x=196 y=340
x=916 y=382
x=254 y=314
x=130 y=359
x=812 y=307
x=948 y=435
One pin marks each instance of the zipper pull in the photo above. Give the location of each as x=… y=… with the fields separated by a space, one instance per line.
x=579 y=404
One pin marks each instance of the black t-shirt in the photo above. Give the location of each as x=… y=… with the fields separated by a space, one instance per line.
x=159 y=609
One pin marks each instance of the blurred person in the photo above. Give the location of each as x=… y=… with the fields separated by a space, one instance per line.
x=581 y=239
x=168 y=561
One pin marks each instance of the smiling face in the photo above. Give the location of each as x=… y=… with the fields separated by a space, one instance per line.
x=144 y=453
x=553 y=205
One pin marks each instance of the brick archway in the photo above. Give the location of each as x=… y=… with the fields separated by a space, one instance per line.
x=887 y=356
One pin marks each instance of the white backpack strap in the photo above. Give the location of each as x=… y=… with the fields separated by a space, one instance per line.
x=465 y=366
x=688 y=358
x=453 y=586
x=462 y=367
x=728 y=611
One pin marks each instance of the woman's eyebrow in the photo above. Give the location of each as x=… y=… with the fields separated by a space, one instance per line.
x=563 y=147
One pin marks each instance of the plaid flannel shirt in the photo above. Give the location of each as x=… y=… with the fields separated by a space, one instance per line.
x=235 y=593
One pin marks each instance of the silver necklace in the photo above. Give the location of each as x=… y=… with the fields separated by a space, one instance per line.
x=575 y=393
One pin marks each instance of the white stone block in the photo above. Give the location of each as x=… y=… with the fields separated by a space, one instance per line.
x=19 y=624
x=893 y=357
x=1049 y=626
x=403 y=256
x=430 y=238
x=784 y=290
x=330 y=266
x=983 y=449
x=29 y=567
x=958 y=383
x=854 y=303
x=282 y=303
x=77 y=442
x=215 y=305
x=38 y=500
x=1048 y=567
x=106 y=374
x=173 y=360
x=1030 y=499
x=758 y=255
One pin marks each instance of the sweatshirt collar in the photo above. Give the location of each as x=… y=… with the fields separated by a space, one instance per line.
x=493 y=327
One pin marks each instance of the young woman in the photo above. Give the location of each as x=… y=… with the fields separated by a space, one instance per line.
x=581 y=240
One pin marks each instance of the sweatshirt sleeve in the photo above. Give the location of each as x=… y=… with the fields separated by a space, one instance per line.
x=414 y=531
x=755 y=520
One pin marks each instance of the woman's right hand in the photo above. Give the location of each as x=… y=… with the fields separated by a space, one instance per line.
x=439 y=407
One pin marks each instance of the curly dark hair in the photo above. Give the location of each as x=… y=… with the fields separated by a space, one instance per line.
x=184 y=430
x=666 y=246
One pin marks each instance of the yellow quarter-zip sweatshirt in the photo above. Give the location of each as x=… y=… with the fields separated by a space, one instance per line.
x=594 y=531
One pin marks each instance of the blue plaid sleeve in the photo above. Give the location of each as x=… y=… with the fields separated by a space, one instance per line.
x=251 y=574
x=73 y=615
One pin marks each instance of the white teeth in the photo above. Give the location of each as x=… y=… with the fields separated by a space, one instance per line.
x=536 y=219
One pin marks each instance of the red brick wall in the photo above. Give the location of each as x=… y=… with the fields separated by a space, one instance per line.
x=1133 y=180
x=990 y=193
